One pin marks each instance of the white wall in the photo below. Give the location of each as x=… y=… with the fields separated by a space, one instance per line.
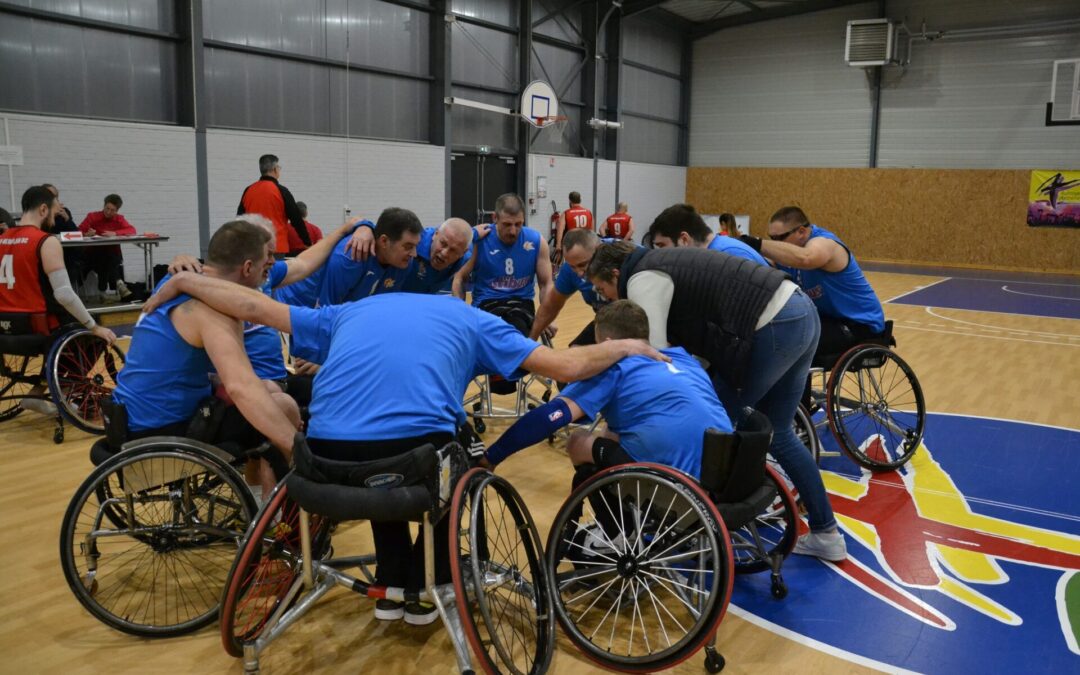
x=646 y=188
x=152 y=167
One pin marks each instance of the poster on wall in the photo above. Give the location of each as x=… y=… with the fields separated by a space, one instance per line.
x=1054 y=199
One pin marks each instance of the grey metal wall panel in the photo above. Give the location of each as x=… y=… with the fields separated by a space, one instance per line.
x=68 y=70
x=651 y=142
x=474 y=127
x=652 y=44
x=388 y=107
x=560 y=26
x=380 y=34
x=502 y=12
x=483 y=56
x=561 y=67
x=778 y=93
x=651 y=94
x=154 y=14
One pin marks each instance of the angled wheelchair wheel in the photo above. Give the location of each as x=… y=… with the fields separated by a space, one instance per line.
x=771 y=533
x=148 y=538
x=807 y=433
x=81 y=371
x=875 y=407
x=15 y=382
x=499 y=576
x=640 y=567
x=265 y=576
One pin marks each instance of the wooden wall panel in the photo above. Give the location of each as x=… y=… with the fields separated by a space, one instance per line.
x=960 y=218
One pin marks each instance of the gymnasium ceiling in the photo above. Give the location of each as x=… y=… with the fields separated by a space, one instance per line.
x=708 y=16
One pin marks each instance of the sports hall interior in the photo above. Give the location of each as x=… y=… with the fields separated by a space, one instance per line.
x=923 y=166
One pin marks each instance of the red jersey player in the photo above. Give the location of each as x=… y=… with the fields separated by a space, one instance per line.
x=618 y=225
x=575 y=217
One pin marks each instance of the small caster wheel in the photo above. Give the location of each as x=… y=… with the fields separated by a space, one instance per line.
x=531 y=406
x=476 y=406
x=779 y=588
x=58 y=436
x=714 y=661
x=546 y=397
x=479 y=425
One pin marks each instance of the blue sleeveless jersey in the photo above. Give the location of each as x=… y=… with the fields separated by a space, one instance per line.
x=733 y=246
x=503 y=271
x=164 y=377
x=421 y=277
x=841 y=295
x=262 y=343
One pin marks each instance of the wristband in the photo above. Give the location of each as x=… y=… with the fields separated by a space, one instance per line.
x=752 y=242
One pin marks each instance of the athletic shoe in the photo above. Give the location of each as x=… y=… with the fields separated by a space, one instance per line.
x=123 y=290
x=420 y=613
x=825 y=545
x=389 y=610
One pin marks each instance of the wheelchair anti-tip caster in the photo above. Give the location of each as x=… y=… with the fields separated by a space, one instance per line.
x=779 y=588
x=479 y=425
x=58 y=436
x=714 y=660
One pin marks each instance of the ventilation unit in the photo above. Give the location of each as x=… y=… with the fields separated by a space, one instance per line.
x=876 y=42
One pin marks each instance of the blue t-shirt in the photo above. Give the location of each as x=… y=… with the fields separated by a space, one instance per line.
x=733 y=246
x=397 y=365
x=341 y=279
x=163 y=378
x=503 y=271
x=841 y=295
x=421 y=277
x=660 y=410
x=262 y=343
x=567 y=282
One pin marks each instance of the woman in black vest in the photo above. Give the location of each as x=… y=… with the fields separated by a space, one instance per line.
x=757 y=331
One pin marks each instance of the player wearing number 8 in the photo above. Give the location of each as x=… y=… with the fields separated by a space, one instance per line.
x=573 y=218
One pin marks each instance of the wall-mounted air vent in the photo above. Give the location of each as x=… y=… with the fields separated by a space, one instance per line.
x=875 y=42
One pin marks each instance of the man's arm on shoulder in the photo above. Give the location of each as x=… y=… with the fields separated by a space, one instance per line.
x=579 y=363
x=223 y=340
x=458 y=285
x=819 y=253
x=225 y=297
x=543 y=271
x=305 y=264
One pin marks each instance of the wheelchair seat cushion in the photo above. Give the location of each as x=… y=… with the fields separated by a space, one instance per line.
x=24 y=345
x=341 y=502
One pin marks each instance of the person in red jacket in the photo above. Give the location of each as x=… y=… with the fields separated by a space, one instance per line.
x=269 y=198
x=618 y=225
x=107 y=261
x=296 y=247
x=577 y=216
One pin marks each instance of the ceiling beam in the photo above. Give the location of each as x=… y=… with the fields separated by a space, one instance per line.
x=710 y=27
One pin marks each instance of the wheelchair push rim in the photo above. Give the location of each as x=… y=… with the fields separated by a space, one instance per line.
x=82 y=373
x=497 y=567
x=667 y=555
x=875 y=407
x=147 y=540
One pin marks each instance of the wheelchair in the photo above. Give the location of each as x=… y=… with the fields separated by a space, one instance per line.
x=148 y=538
x=78 y=369
x=873 y=404
x=641 y=558
x=482 y=406
x=496 y=603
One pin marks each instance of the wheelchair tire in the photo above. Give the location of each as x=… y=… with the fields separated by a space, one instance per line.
x=165 y=578
x=807 y=432
x=877 y=419
x=689 y=572
x=497 y=566
x=776 y=528
x=81 y=372
x=13 y=384
x=267 y=566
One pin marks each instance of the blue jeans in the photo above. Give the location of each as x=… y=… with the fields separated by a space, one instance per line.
x=779 y=365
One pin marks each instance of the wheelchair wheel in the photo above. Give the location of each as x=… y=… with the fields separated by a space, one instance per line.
x=82 y=370
x=875 y=407
x=771 y=533
x=807 y=433
x=265 y=574
x=640 y=567
x=147 y=540
x=499 y=576
x=14 y=384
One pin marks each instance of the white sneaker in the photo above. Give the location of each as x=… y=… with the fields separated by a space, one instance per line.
x=123 y=290
x=825 y=545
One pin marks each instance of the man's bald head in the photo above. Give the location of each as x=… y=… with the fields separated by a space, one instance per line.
x=450 y=242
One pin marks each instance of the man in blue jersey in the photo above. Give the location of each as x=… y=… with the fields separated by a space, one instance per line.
x=442 y=251
x=365 y=408
x=827 y=270
x=680 y=225
x=578 y=248
x=343 y=279
x=165 y=381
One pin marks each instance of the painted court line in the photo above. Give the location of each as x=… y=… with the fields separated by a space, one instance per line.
x=930 y=310
x=1038 y=295
x=920 y=288
x=994 y=311
x=990 y=337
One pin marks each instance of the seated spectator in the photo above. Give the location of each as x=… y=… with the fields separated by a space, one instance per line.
x=107 y=261
x=74 y=259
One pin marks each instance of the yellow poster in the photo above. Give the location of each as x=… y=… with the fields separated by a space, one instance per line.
x=1054 y=199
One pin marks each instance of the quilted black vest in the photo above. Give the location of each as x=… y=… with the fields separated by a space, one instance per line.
x=716 y=305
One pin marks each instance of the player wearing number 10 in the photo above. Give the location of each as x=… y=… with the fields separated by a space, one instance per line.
x=573 y=218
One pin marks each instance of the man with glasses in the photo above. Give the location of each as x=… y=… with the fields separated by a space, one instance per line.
x=826 y=269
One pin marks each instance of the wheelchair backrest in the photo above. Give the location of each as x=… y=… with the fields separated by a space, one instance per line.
x=733 y=464
x=416 y=467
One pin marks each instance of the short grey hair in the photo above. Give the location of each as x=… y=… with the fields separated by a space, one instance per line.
x=267 y=163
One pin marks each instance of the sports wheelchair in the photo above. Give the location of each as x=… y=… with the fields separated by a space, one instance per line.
x=641 y=557
x=873 y=404
x=148 y=538
x=77 y=368
x=496 y=603
x=483 y=407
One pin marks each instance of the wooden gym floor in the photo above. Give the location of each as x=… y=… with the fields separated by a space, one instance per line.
x=969 y=363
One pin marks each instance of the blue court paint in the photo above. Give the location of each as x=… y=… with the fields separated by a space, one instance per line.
x=959 y=562
x=1061 y=301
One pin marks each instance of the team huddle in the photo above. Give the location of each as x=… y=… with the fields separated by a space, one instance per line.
x=690 y=333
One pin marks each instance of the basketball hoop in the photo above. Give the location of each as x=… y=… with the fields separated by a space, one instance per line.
x=545 y=121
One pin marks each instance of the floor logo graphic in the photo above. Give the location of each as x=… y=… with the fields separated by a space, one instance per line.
x=966 y=559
